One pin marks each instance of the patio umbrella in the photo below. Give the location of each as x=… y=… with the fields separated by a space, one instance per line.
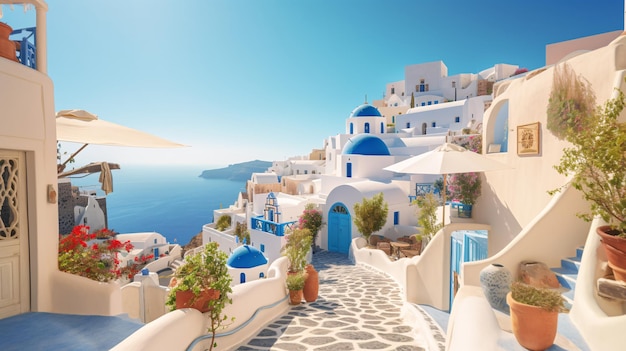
x=80 y=126
x=446 y=159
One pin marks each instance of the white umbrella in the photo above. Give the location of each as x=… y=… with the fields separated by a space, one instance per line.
x=446 y=159
x=80 y=126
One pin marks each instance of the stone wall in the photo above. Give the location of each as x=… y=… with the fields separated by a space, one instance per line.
x=68 y=198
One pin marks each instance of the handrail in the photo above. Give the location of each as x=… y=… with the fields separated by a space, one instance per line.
x=238 y=328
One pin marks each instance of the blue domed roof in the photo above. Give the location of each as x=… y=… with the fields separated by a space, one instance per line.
x=246 y=257
x=365 y=110
x=366 y=144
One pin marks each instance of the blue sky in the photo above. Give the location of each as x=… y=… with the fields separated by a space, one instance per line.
x=239 y=80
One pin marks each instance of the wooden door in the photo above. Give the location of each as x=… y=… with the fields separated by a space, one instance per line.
x=14 y=267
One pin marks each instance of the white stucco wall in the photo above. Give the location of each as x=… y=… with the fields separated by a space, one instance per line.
x=518 y=194
x=28 y=124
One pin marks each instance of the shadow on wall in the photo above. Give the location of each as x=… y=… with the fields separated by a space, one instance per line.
x=489 y=201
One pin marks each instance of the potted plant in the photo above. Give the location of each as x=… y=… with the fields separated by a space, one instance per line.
x=465 y=187
x=203 y=283
x=295 y=284
x=595 y=160
x=370 y=215
x=534 y=314
x=297 y=247
x=427 y=216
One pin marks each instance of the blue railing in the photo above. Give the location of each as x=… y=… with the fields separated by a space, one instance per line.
x=26 y=50
x=278 y=229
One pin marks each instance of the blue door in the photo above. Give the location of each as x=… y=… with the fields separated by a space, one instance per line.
x=465 y=246
x=339 y=229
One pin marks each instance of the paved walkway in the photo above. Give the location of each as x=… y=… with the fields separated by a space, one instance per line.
x=357 y=309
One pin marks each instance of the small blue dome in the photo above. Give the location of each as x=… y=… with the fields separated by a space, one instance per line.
x=366 y=144
x=365 y=110
x=246 y=257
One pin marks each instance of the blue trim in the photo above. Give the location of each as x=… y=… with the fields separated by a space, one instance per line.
x=243 y=325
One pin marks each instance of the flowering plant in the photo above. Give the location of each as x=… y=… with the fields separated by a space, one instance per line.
x=311 y=219
x=464 y=187
x=95 y=256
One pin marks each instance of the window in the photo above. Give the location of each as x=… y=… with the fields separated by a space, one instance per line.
x=351 y=128
x=262 y=247
x=436 y=102
x=393 y=90
x=261 y=275
x=306 y=171
x=155 y=241
x=434 y=124
x=242 y=278
x=367 y=127
x=457 y=119
x=382 y=128
x=396 y=218
x=349 y=170
x=423 y=103
x=408 y=124
x=430 y=103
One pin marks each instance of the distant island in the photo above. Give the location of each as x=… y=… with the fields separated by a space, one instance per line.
x=238 y=171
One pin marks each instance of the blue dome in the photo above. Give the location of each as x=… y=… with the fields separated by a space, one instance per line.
x=246 y=257
x=365 y=110
x=366 y=144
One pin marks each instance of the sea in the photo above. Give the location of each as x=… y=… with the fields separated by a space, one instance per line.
x=171 y=200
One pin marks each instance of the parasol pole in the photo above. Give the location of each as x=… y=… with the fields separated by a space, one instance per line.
x=71 y=157
x=443 y=219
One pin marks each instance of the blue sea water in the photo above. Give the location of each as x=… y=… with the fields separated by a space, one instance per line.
x=171 y=200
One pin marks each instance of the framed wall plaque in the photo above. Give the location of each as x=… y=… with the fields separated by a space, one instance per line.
x=528 y=141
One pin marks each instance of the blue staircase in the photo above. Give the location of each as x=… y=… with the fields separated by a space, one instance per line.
x=567 y=275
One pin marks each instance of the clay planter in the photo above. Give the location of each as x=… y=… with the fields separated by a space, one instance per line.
x=184 y=298
x=613 y=240
x=295 y=297
x=533 y=327
x=618 y=272
x=7 y=46
x=615 y=249
x=311 y=285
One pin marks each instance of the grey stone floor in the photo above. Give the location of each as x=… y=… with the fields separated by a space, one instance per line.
x=357 y=309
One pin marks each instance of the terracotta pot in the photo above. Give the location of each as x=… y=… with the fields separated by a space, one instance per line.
x=311 y=284
x=7 y=46
x=615 y=256
x=184 y=298
x=613 y=240
x=618 y=272
x=295 y=297
x=533 y=327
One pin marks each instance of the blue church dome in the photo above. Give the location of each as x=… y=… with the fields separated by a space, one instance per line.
x=246 y=257
x=366 y=144
x=365 y=110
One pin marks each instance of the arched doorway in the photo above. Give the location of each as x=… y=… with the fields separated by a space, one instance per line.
x=339 y=228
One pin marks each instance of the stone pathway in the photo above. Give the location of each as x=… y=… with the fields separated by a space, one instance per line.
x=357 y=309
